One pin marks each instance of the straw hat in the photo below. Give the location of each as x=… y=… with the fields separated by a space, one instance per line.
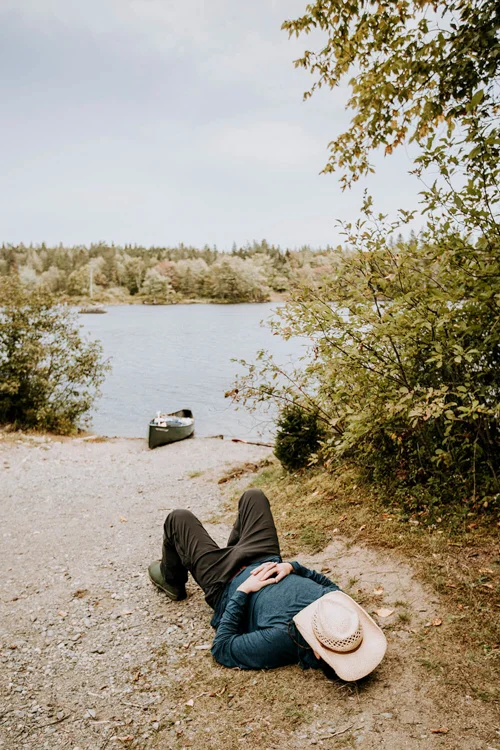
x=343 y=634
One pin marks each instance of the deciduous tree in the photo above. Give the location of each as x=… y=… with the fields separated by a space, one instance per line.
x=49 y=375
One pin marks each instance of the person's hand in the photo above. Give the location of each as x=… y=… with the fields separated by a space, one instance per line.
x=273 y=569
x=264 y=575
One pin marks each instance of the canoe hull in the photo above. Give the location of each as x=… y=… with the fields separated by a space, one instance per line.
x=164 y=435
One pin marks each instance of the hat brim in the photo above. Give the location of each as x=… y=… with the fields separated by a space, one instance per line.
x=350 y=665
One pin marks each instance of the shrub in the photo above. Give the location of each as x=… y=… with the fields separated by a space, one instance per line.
x=49 y=376
x=299 y=436
x=404 y=371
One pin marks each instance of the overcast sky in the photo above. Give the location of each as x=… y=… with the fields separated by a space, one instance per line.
x=167 y=121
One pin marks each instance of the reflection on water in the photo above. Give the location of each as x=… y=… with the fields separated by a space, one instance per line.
x=179 y=356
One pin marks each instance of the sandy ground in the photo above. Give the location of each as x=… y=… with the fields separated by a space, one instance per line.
x=93 y=656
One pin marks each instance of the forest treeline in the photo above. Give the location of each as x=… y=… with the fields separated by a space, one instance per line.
x=161 y=275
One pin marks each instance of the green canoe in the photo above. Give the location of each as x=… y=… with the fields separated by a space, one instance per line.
x=168 y=428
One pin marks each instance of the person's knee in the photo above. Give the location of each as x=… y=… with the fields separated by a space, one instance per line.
x=177 y=518
x=253 y=496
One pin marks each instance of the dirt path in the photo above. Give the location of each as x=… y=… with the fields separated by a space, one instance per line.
x=92 y=656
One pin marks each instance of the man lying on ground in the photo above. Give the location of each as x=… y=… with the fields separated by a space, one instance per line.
x=267 y=613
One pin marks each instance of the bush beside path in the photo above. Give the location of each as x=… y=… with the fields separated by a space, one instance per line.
x=92 y=656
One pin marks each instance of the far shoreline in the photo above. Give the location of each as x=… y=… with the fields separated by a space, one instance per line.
x=101 y=301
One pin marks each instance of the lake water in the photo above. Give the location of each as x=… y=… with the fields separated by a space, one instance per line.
x=179 y=356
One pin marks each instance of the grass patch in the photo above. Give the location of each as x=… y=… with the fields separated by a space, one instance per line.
x=432 y=666
x=238 y=706
x=456 y=556
x=194 y=474
x=312 y=538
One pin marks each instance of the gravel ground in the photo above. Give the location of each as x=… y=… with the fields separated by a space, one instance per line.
x=93 y=656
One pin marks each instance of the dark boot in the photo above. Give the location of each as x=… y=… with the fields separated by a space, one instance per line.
x=173 y=592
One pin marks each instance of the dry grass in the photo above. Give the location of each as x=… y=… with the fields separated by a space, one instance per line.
x=195 y=474
x=459 y=561
x=247 y=468
x=261 y=709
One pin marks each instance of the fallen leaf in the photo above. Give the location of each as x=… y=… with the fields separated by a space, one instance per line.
x=383 y=612
x=487 y=585
x=460 y=606
x=485 y=570
x=437 y=622
x=123 y=519
x=361 y=528
x=80 y=593
x=190 y=702
x=342 y=518
x=91 y=712
x=378 y=591
x=441 y=730
x=62 y=614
